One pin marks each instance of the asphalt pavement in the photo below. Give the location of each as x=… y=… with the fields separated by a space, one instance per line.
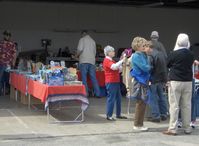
x=20 y=126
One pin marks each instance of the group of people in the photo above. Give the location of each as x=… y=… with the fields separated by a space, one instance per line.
x=150 y=69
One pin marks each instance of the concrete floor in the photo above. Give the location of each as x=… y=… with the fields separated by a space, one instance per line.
x=20 y=126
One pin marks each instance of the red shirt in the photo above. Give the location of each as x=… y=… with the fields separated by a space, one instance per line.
x=111 y=76
x=7 y=52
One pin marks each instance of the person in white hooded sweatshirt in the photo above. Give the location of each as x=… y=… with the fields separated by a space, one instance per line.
x=180 y=86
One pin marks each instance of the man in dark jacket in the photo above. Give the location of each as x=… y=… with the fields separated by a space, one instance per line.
x=158 y=102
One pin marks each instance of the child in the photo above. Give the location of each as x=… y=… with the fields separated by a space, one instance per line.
x=140 y=74
x=112 y=80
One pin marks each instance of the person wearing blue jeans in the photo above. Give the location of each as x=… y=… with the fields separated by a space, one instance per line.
x=86 y=52
x=86 y=68
x=158 y=103
x=112 y=81
x=113 y=95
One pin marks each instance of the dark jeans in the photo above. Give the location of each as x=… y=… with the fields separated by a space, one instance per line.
x=193 y=107
x=158 y=102
x=89 y=69
x=2 y=70
x=113 y=95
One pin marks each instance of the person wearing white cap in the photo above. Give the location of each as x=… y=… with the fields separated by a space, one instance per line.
x=180 y=64
x=112 y=81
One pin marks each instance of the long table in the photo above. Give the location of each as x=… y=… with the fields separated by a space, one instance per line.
x=49 y=94
x=56 y=93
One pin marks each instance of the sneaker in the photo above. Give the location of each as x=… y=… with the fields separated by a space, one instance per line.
x=142 y=128
x=193 y=124
x=110 y=118
x=179 y=124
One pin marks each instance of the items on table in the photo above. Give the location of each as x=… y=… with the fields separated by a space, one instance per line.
x=54 y=74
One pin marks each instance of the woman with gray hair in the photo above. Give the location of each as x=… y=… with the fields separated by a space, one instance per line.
x=180 y=64
x=112 y=81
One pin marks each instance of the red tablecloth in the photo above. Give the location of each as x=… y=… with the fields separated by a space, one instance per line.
x=18 y=81
x=196 y=75
x=13 y=80
x=42 y=91
x=47 y=93
x=100 y=78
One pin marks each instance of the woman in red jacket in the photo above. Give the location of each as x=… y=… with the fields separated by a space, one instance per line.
x=112 y=80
